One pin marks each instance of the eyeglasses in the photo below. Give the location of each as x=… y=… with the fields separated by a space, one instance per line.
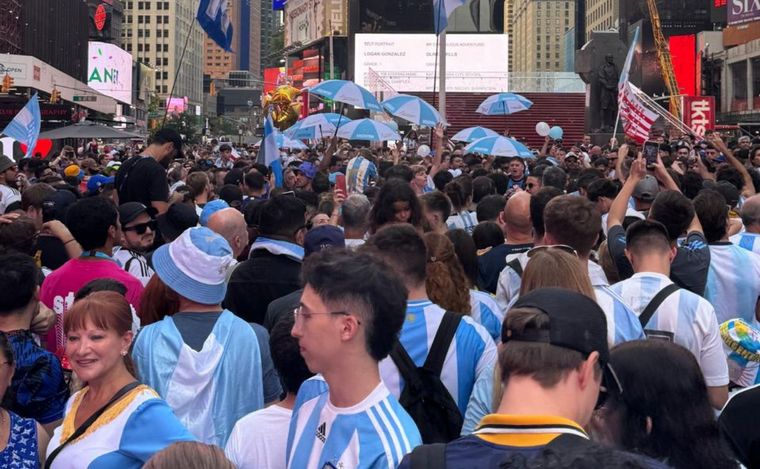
x=142 y=227
x=610 y=382
x=562 y=247
x=299 y=312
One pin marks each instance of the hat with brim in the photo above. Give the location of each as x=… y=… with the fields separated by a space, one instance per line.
x=195 y=265
x=6 y=163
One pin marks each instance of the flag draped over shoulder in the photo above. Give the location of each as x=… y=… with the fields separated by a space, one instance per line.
x=213 y=18
x=637 y=118
x=442 y=9
x=25 y=127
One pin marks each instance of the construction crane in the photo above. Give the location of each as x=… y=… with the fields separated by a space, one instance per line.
x=663 y=56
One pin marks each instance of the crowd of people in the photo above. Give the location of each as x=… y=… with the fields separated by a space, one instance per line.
x=168 y=305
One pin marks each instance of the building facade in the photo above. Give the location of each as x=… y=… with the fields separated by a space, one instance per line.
x=601 y=15
x=538 y=31
x=155 y=33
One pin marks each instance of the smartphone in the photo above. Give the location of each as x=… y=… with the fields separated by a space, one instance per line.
x=340 y=184
x=651 y=150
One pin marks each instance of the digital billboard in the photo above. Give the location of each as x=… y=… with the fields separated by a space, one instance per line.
x=743 y=11
x=109 y=71
x=475 y=63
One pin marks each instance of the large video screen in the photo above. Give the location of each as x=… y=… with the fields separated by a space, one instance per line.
x=110 y=71
x=406 y=62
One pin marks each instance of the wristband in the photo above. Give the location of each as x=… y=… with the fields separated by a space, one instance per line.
x=67 y=242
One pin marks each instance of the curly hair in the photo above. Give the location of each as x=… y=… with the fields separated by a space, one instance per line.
x=446 y=282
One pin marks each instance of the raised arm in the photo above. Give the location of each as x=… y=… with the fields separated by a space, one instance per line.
x=620 y=204
x=749 y=187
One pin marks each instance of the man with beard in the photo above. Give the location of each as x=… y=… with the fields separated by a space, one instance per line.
x=9 y=196
x=142 y=178
x=138 y=227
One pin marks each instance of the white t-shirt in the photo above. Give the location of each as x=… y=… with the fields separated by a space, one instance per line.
x=8 y=195
x=259 y=439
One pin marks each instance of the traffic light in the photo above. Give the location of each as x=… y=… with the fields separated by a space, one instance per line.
x=55 y=96
x=7 y=83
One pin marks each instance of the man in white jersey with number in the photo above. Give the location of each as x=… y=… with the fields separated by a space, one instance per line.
x=669 y=312
x=750 y=238
x=350 y=314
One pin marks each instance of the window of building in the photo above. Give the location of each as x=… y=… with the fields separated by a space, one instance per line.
x=147 y=19
x=140 y=32
x=140 y=5
x=159 y=5
x=159 y=19
x=165 y=89
x=166 y=60
x=166 y=19
x=139 y=18
x=147 y=47
x=538 y=55
x=139 y=47
x=166 y=47
x=165 y=75
x=166 y=5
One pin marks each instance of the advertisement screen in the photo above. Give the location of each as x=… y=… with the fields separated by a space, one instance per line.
x=683 y=54
x=475 y=63
x=743 y=11
x=109 y=71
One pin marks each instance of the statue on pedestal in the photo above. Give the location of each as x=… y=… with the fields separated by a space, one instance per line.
x=608 y=77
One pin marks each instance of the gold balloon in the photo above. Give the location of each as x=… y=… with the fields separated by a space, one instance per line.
x=285 y=110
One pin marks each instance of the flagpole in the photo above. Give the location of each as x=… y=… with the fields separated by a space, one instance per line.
x=436 y=16
x=179 y=68
x=670 y=118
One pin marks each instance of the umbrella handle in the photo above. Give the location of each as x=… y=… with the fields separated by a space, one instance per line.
x=340 y=114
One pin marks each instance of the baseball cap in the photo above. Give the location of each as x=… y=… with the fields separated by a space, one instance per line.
x=576 y=322
x=131 y=210
x=195 y=265
x=308 y=169
x=55 y=206
x=211 y=208
x=323 y=237
x=166 y=135
x=96 y=181
x=177 y=218
x=72 y=170
x=646 y=189
x=6 y=163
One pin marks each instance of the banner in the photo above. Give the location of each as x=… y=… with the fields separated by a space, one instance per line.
x=743 y=11
x=699 y=113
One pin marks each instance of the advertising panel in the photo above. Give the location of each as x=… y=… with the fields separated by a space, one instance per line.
x=110 y=71
x=475 y=63
x=699 y=113
x=683 y=54
x=304 y=21
x=743 y=11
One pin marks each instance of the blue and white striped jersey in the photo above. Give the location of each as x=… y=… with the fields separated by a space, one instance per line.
x=688 y=316
x=464 y=220
x=749 y=241
x=375 y=433
x=486 y=312
x=469 y=354
x=733 y=282
x=359 y=171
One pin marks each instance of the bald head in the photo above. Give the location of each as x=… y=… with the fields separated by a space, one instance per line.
x=230 y=224
x=751 y=214
x=517 y=216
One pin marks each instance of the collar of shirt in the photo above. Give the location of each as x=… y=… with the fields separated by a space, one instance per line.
x=525 y=430
x=658 y=275
x=597 y=275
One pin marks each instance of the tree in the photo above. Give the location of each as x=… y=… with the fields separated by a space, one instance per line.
x=186 y=124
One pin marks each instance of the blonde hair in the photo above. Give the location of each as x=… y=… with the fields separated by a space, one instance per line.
x=189 y=455
x=445 y=280
x=554 y=267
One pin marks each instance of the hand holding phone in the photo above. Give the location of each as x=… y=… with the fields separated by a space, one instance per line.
x=651 y=151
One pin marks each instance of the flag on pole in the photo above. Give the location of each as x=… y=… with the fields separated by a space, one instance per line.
x=629 y=58
x=271 y=157
x=213 y=18
x=638 y=118
x=442 y=9
x=25 y=127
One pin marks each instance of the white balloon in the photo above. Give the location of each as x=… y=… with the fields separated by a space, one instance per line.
x=542 y=129
x=423 y=151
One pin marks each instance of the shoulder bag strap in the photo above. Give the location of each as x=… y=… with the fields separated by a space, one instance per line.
x=648 y=312
x=427 y=456
x=88 y=423
x=441 y=342
x=405 y=365
x=516 y=266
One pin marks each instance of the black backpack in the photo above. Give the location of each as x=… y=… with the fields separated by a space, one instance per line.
x=425 y=397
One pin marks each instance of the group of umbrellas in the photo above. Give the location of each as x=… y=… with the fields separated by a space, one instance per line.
x=407 y=107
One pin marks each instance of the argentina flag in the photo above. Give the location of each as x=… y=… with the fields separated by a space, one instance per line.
x=442 y=9
x=271 y=152
x=25 y=127
x=212 y=15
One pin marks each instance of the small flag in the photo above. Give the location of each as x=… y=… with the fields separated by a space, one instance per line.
x=25 y=127
x=638 y=119
x=629 y=58
x=271 y=152
x=442 y=9
x=213 y=18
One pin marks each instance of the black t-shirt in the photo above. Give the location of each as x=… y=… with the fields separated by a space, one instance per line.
x=142 y=179
x=688 y=269
x=52 y=251
x=493 y=262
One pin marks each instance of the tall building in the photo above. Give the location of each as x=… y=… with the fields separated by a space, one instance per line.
x=538 y=30
x=246 y=43
x=155 y=33
x=602 y=15
x=271 y=42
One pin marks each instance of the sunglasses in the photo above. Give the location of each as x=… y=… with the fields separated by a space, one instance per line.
x=142 y=227
x=562 y=247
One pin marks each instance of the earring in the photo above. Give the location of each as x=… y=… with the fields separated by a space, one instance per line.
x=123 y=353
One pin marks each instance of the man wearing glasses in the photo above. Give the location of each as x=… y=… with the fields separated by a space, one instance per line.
x=138 y=226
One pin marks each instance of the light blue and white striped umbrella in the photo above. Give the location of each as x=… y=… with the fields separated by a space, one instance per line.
x=413 y=109
x=499 y=146
x=348 y=92
x=504 y=103
x=285 y=142
x=367 y=129
x=470 y=134
x=316 y=126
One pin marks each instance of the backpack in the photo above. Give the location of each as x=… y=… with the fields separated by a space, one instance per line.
x=650 y=309
x=424 y=396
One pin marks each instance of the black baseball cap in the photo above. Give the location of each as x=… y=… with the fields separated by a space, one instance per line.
x=176 y=220
x=168 y=135
x=131 y=210
x=576 y=322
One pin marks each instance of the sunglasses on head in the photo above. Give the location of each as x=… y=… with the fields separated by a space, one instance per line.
x=142 y=227
x=562 y=247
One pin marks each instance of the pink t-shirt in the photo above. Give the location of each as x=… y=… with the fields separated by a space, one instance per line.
x=59 y=288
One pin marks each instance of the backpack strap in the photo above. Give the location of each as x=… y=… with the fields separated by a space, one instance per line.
x=441 y=342
x=427 y=456
x=661 y=296
x=406 y=367
x=516 y=266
